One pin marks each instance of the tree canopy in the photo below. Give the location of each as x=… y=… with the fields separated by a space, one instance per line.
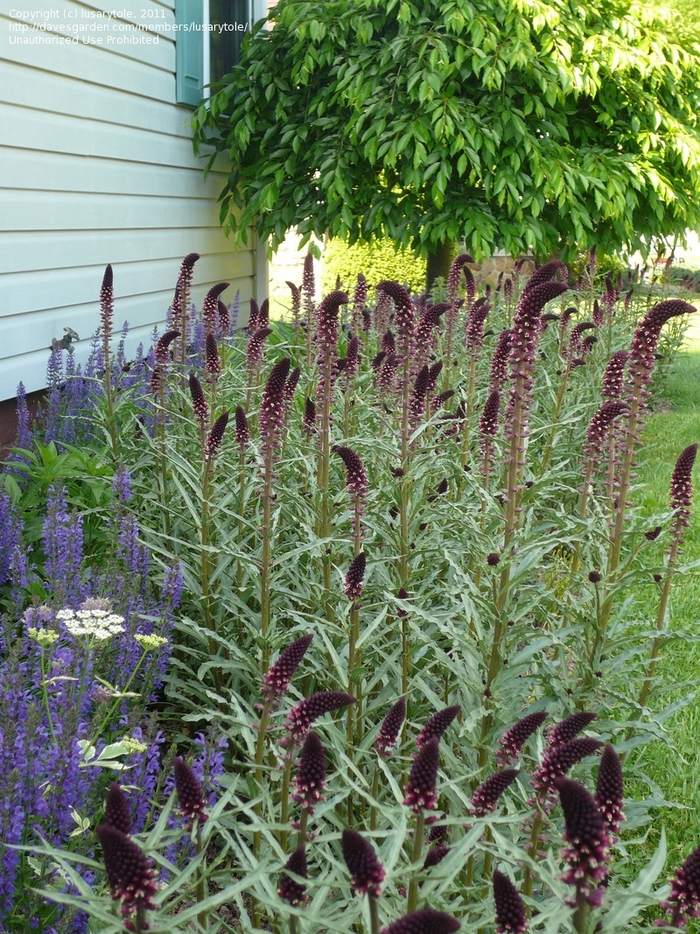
x=514 y=124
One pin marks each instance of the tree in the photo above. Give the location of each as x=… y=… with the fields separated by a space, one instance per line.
x=516 y=124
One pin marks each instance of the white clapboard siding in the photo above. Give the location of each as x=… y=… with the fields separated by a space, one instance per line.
x=97 y=168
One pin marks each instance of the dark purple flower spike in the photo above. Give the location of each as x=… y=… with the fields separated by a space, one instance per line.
x=588 y=839
x=356 y=474
x=366 y=872
x=559 y=760
x=117 y=812
x=210 y=305
x=289 y=890
x=570 y=727
x=279 y=675
x=608 y=792
x=303 y=715
x=199 y=402
x=424 y=921
x=310 y=779
x=130 y=874
x=614 y=375
x=681 y=495
x=404 y=310
x=390 y=729
x=242 y=430
x=189 y=791
x=513 y=740
x=684 y=900
x=486 y=796
x=354 y=579
x=215 y=438
x=510 y=910
x=421 y=787
x=436 y=725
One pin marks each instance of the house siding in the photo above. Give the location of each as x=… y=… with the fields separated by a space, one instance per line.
x=97 y=168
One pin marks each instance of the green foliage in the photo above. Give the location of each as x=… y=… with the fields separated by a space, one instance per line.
x=529 y=127
x=378 y=260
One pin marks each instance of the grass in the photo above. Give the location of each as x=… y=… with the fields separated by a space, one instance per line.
x=676 y=767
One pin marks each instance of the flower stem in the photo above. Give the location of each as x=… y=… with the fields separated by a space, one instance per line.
x=416 y=854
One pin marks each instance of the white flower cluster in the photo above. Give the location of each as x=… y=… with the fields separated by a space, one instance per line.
x=100 y=624
x=43 y=636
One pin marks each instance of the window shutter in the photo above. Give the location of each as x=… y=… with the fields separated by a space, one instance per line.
x=189 y=52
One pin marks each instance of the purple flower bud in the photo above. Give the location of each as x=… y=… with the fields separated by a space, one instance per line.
x=378 y=360
x=475 y=325
x=189 y=791
x=436 y=725
x=599 y=426
x=356 y=474
x=107 y=303
x=279 y=675
x=212 y=361
x=308 y=282
x=242 y=430
x=588 y=839
x=416 y=405
x=296 y=297
x=435 y=855
x=652 y=534
x=421 y=788
x=454 y=275
x=684 y=900
x=162 y=352
x=569 y=727
x=388 y=342
x=424 y=921
x=366 y=872
x=302 y=716
x=291 y=891
x=559 y=760
x=402 y=595
x=253 y=317
x=595 y=577
x=309 y=416
x=485 y=798
x=510 y=910
x=493 y=559
x=512 y=741
x=608 y=792
x=131 y=876
x=224 y=318
x=311 y=776
x=291 y=384
x=272 y=402
x=199 y=402
x=264 y=314
x=327 y=320
x=390 y=729
x=488 y=424
x=117 y=812
x=643 y=347
x=681 y=494
x=354 y=579
x=545 y=274
x=442 y=398
x=499 y=360
x=575 y=337
x=614 y=375
x=404 y=311
x=215 y=437
x=255 y=347
x=210 y=305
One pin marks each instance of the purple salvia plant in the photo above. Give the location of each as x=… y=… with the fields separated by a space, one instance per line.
x=608 y=792
x=366 y=872
x=614 y=375
x=557 y=762
x=388 y=734
x=588 y=841
x=63 y=547
x=280 y=673
x=210 y=306
x=355 y=577
x=291 y=891
x=569 y=727
x=212 y=445
x=423 y=921
x=199 y=402
x=486 y=796
x=131 y=876
x=310 y=780
x=684 y=900
x=421 y=790
x=513 y=739
x=510 y=910
x=436 y=725
x=189 y=791
x=117 y=811
x=303 y=715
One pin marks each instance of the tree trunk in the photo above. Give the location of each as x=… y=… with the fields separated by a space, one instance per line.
x=438 y=264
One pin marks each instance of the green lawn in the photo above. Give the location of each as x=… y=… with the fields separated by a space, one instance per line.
x=676 y=768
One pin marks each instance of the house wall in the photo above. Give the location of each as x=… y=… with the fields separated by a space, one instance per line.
x=97 y=168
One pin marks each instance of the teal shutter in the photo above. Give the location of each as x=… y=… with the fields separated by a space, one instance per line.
x=189 y=52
